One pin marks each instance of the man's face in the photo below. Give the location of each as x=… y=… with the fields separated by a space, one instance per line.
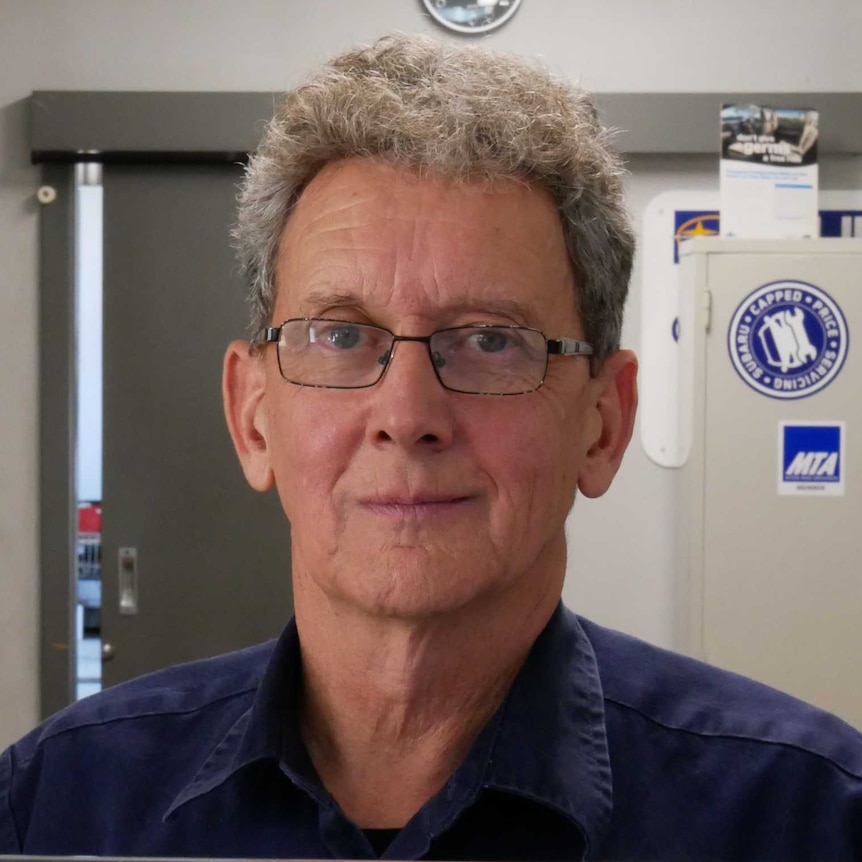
x=404 y=498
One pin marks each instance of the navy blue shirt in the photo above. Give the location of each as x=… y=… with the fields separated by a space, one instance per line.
x=605 y=747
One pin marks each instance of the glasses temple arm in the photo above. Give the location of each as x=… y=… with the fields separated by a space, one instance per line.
x=569 y=347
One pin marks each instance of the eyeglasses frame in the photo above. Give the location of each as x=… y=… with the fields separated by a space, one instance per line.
x=555 y=347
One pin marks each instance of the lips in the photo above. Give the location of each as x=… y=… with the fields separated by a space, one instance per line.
x=413 y=499
x=415 y=504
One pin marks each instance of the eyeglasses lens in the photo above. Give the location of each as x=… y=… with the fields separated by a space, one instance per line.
x=490 y=360
x=333 y=353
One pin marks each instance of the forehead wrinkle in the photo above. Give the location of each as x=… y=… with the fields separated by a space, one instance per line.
x=308 y=209
x=308 y=227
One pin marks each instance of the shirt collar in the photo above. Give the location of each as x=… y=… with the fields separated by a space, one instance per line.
x=552 y=746
x=547 y=741
x=262 y=731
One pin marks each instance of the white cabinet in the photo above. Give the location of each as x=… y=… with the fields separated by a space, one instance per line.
x=770 y=520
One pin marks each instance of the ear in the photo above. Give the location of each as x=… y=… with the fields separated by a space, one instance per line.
x=243 y=387
x=616 y=404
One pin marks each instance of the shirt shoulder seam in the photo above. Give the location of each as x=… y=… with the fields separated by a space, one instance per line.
x=736 y=736
x=81 y=725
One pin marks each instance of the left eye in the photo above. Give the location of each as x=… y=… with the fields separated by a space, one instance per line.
x=490 y=341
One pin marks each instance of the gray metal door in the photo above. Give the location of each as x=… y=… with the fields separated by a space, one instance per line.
x=211 y=555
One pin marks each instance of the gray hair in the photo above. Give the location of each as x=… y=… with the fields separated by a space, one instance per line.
x=463 y=112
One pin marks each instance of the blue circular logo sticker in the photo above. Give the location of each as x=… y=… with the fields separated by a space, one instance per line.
x=788 y=339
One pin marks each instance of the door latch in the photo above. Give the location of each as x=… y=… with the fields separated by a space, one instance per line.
x=128 y=574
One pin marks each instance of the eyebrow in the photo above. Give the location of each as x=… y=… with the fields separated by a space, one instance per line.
x=319 y=298
x=502 y=306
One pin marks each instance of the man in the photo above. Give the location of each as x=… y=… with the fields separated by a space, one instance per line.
x=439 y=255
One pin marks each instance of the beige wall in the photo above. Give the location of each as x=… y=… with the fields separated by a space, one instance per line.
x=613 y=45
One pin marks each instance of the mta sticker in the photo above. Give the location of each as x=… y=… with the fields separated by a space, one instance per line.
x=788 y=339
x=811 y=458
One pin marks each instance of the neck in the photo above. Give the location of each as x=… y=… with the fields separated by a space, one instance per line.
x=391 y=705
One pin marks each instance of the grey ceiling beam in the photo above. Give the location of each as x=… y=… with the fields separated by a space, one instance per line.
x=122 y=126
x=70 y=126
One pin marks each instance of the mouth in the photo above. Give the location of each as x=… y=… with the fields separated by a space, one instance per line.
x=415 y=506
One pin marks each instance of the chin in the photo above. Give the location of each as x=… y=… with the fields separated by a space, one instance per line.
x=410 y=589
x=382 y=578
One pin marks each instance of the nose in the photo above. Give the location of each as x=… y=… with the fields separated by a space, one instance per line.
x=410 y=408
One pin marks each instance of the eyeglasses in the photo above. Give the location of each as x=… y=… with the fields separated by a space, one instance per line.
x=477 y=360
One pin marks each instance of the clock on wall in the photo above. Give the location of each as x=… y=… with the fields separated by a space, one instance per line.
x=472 y=16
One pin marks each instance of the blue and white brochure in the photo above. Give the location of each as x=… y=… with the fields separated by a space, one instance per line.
x=769 y=172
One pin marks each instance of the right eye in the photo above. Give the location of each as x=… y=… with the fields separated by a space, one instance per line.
x=344 y=337
x=341 y=336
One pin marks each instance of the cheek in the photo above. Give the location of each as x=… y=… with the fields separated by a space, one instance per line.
x=310 y=446
x=534 y=472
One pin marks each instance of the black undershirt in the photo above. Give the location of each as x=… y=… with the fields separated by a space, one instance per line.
x=380 y=839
